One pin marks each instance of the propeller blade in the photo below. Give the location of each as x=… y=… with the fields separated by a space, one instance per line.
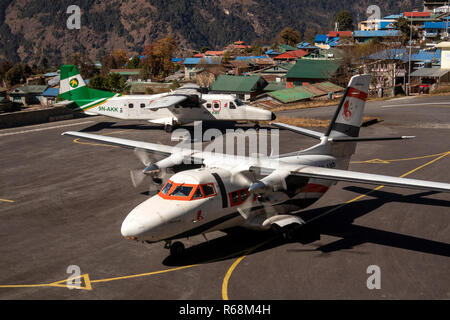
x=143 y=156
x=137 y=177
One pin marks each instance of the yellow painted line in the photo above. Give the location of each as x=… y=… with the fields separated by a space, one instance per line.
x=236 y=263
x=77 y=140
x=404 y=159
x=61 y=284
x=227 y=278
x=6 y=200
x=144 y=274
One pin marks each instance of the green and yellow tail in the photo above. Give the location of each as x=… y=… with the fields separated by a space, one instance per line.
x=73 y=88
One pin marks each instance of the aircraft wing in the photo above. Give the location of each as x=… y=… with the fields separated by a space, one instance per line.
x=348 y=176
x=126 y=143
x=166 y=101
x=273 y=175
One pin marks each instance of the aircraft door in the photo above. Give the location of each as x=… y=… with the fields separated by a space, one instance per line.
x=133 y=109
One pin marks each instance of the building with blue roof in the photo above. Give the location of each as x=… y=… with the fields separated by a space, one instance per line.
x=364 y=36
x=48 y=97
x=250 y=57
x=394 y=16
x=434 y=29
x=193 y=65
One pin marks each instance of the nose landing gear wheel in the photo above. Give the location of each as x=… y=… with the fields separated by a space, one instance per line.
x=177 y=249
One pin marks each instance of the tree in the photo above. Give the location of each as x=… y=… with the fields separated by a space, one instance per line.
x=204 y=49
x=98 y=82
x=159 y=56
x=5 y=65
x=289 y=37
x=344 y=20
x=116 y=82
x=84 y=65
x=134 y=63
x=18 y=74
x=404 y=26
x=116 y=60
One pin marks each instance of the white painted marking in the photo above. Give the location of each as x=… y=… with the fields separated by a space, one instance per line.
x=416 y=104
x=43 y=129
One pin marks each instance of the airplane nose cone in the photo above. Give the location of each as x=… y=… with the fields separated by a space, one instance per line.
x=131 y=228
x=273 y=116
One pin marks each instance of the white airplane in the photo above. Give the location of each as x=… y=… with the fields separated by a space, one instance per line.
x=183 y=105
x=252 y=192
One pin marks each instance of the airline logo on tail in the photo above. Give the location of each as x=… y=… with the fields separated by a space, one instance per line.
x=74 y=83
x=347 y=112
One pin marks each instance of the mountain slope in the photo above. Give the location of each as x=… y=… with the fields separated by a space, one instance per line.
x=30 y=29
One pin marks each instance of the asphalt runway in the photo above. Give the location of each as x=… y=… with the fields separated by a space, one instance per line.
x=62 y=202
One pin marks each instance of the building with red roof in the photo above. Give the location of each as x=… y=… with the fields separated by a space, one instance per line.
x=291 y=55
x=416 y=14
x=341 y=34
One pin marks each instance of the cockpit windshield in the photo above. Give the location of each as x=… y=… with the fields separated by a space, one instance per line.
x=238 y=102
x=187 y=192
x=181 y=191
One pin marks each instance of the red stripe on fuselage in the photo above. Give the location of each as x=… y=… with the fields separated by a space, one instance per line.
x=314 y=188
x=358 y=94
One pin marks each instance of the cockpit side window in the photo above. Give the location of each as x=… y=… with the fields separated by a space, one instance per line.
x=238 y=102
x=208 y=189
x=166 y=188
x=197 y=194
x=232 y=105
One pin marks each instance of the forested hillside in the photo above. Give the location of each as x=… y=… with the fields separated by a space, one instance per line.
x=30 y=29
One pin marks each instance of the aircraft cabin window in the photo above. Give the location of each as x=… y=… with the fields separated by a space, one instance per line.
x=232 y=105
x=197 y=194
x=166 y=188
x=208 y=189
x=130 y=105
x=238 y=197
x=181 y=191
x=234 y=197
x=208 y=105
x=216 y=106
x=142 y=105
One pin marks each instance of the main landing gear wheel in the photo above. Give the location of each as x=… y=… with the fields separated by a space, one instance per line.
x=177 y=249
x=289 y=233
x=257 y=127
x=168 y=128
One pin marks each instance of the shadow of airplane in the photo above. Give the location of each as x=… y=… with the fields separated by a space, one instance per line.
x=336 y=220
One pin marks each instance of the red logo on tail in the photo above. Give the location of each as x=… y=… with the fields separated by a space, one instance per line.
x=347 y=113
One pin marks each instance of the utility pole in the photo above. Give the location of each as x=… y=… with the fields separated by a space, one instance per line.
x=410 y=48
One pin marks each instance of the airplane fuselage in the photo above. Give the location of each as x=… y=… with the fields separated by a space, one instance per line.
x=217 y=107
x=173 y=215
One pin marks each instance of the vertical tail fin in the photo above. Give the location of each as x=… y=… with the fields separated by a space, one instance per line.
x=348 y=117
x=71 y=84
x=72 y=87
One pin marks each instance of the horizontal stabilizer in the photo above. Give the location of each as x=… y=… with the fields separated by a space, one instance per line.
x=305 y=132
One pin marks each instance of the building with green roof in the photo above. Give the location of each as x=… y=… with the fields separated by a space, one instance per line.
x=28 y=94
x=244 y=87
x=309 y=91
x=307 y=71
